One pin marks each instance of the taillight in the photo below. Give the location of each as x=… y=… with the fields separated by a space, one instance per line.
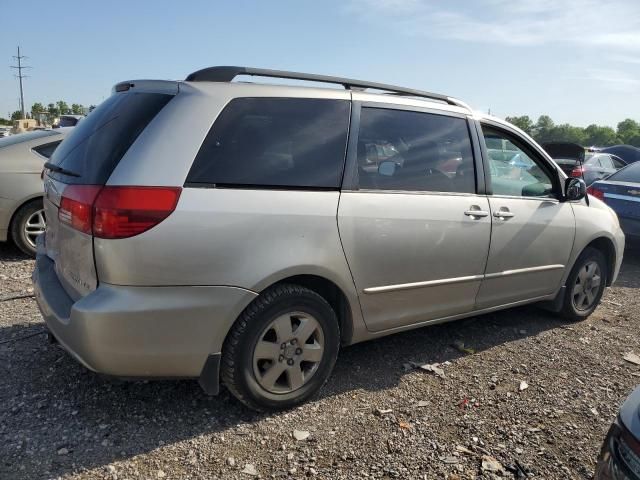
x=577 y=172
x=595 y=192
x=121 y=212
x=114 y=211
x=76 y=206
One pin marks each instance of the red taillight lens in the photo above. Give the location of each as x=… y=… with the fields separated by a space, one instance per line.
x=577 y=172
x=594 y=192
x=121 y=212
x=116 y=212
x=76 y=206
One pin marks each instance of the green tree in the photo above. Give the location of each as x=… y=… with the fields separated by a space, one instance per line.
x=567 y=133
x=77 y=109
x=17 y=115
x=63 y=108
x=37 y=108
x=523 y=122
x=600 y=136
x=52 y=112
x=635 y=141
x=628 y=129
x=542 y=131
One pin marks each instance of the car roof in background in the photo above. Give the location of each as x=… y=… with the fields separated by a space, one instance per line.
x=564 y=150
x=630 y=173
x=628 y=153
x=26 y=136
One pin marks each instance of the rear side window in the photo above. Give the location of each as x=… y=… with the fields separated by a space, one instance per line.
x=275 y=142
x=47 y=149
x=414 y=151
x=96 y=145
x=627 y=174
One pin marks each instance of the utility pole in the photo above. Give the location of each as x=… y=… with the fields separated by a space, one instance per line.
x=20 y=76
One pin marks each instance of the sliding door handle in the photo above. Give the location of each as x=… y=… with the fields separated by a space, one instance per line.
x=476 y=213
x=503 y=214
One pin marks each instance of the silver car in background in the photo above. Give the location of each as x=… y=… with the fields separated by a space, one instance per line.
x=279 y=223
x=22 y=159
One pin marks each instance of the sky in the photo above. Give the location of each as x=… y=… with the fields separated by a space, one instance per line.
x=575 y=60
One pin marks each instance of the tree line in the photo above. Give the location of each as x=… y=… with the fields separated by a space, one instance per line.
x=50 y=112
x=545 y=130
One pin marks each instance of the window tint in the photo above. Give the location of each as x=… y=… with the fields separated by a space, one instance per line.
x=47 y=149
x=618 y=163
x=98 y=142
x=402 y=150
x=513 y=170
x=25 y=137
x=627 y=174
x=275 y=142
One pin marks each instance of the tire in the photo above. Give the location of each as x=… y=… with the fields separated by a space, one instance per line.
x=577 y=307
x=264 y=341
x=25 y=224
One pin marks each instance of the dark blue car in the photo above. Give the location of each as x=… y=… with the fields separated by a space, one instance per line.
x=621 y=191
x=620 y=454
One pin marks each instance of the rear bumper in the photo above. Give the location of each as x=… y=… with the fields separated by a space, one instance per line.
x=139 y=331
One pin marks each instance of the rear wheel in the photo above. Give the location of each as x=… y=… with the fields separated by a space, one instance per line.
x=585 y=285
x=28 y=223
x=282 y=349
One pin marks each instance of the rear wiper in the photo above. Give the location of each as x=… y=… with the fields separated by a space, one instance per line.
x=58 y=169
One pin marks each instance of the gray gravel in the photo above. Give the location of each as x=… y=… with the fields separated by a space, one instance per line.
x=379 y=416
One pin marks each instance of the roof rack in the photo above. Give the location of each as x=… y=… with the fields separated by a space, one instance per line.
x=227 y=74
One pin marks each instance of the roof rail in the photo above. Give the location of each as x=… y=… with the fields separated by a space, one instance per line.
x=227 y=74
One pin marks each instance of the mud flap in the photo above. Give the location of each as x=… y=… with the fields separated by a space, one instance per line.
x=210 y=376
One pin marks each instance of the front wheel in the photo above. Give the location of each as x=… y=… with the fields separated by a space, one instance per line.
x=282 y=349
x=585 y=285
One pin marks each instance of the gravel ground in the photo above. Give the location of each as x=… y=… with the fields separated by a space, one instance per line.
x=377 y=418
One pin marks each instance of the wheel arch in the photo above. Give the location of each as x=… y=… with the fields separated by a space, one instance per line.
x=606 y=246
x=332 y=293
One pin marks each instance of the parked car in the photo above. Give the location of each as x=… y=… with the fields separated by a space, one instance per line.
x=5 y=132
x=22 y=158
x=620 y=455
x=573 y=161
x=255 y=240
x=596 y=166
x=628 y=153
x=68 y=121
x=621 y=191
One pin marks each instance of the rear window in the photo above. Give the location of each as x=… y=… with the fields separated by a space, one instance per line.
x=25 y=137
x=627 y=174
x=275 y=142
x=96 y=145
x=47 y=149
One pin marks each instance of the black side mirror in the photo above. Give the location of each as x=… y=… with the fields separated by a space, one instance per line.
x=574 y=189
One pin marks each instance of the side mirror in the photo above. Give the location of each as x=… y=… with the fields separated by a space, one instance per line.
x=574 y=189
x=387 y=168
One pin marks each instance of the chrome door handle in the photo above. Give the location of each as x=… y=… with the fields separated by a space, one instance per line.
x=503 y=214
x=476 y=213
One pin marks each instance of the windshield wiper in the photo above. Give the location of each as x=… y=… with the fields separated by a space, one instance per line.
x=58 y=169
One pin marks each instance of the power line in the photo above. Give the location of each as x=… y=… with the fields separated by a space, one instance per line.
x=20 y=76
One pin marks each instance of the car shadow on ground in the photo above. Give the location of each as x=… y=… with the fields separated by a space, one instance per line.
x=99 y=420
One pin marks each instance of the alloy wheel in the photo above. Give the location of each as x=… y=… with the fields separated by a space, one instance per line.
x=34 y=226
x=586 y=287
x=288 y=352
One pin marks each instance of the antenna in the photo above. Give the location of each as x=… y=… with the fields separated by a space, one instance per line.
x=20 y=76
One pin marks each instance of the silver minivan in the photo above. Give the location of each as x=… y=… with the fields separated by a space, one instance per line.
x=241 y=233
